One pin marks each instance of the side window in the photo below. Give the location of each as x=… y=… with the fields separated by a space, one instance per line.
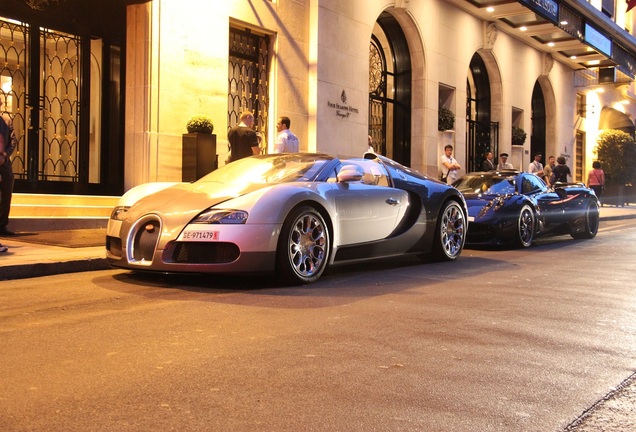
x=531 y=183
x=374 y=173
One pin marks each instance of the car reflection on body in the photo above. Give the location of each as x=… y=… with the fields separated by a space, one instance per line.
x=288 y=214
x=511 y=207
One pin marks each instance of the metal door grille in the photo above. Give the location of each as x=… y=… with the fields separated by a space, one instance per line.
x=579 y=161
x=248 y=76
x=482 y=137
x=378 y=101
x=59 y=107
x=13 y=85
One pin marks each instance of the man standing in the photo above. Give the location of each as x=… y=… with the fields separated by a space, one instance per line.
x=243 y=139
x=488 y=163
x=8 y=143
x=450 y=166
x=536 y=167
x=547 y=170
x=286 y=141
x=503 y=162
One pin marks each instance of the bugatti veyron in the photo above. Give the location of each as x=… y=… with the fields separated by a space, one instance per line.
x=291 y=215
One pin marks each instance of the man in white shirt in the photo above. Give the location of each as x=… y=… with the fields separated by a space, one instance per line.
x=450 y=166
x=286 y=141
x=536 y=167
x=503 y=162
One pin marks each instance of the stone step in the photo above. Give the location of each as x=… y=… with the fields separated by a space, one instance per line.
x=47 y=212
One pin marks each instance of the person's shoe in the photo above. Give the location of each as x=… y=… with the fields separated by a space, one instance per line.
x=3 y=248
x=5 y=232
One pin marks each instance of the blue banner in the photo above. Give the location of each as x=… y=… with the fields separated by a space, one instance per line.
x=598 y=40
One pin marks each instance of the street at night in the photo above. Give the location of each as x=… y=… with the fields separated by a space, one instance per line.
x=499 y=340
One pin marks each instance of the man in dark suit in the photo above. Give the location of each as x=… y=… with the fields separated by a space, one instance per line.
x=488 y=163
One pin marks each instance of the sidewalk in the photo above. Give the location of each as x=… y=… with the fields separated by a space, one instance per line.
x=25 y=260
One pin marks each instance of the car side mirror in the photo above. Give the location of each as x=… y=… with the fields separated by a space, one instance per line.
x=561 y=193
x=349 y=173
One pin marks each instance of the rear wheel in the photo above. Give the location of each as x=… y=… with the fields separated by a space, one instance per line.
x=303 y=247
x=450 y=233
x=526 y=227
x=590 y=223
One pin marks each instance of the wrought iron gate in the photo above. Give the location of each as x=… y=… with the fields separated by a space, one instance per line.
x=481 y=137
x=248 y=86
x=53 y=87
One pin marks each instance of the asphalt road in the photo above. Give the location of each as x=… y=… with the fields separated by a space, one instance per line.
x=515 y=340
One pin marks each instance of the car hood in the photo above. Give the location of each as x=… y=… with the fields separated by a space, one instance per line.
x=180 y=203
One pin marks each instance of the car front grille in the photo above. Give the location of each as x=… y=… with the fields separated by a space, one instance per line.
x=145 y=241
x=205 y=253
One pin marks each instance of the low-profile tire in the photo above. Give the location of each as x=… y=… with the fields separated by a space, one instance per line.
x=450 y=232
x=526 y=227
x=303 y=247
x=590 y=223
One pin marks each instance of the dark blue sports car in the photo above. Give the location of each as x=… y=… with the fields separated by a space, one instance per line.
x=514 y=208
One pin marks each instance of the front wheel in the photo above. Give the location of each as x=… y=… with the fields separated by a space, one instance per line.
x=303 y=247
x=526 y=227
x=450 y=233
x=590 y=223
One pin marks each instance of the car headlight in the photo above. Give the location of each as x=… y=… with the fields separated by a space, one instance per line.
x=119 y=213
x=499 y=203
x=216 y=216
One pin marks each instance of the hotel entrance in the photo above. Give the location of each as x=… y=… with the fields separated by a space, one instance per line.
x=61 y=81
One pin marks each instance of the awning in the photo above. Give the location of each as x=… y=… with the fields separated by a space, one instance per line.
x=614 y=119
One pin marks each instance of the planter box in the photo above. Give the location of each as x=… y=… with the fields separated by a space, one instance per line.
x=630 y=194
x=198 y=155
x=614 y=195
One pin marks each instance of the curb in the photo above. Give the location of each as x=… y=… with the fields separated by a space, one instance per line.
x=22 y=271
x=618 y=217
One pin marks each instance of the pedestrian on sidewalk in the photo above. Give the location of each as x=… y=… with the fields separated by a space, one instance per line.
x=536 y=167
x=242 y=138
x=286 y=141
x=8 y=143
x=503 y=162
x=561 y=172
x=596 y=179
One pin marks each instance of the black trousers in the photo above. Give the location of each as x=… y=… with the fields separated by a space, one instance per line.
x=6 y=192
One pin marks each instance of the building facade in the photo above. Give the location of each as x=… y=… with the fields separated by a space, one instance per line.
x=101 y=93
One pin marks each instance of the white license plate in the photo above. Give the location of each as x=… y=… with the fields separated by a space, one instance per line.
x=200 y=235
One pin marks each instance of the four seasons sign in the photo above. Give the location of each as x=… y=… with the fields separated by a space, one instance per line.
x=342 y=109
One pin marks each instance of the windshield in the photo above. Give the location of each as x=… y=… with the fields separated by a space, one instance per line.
x=488 y=185
x=276 y=168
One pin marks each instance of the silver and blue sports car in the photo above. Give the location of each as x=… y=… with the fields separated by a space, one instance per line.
x=514 y=208
x=287 y=214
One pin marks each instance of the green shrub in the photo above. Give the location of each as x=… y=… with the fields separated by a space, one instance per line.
x=446 y=119
x=518 y=136
x=616 y=151
x=201 y=124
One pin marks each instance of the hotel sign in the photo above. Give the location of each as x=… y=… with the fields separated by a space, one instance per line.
x=548 y=9
x=342 y=109
x=598 y=40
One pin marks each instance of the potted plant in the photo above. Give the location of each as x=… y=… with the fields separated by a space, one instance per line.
x=616 y=151
x=518 y=136
x=200 y=124
x=198 y=156
x=445 y=120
